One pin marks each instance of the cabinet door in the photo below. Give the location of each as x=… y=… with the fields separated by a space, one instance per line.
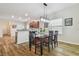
x=22 y=36
x=34 y=24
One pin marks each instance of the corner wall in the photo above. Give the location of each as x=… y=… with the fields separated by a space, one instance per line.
x=70 y=33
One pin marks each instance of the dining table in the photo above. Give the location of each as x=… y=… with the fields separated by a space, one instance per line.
x=43 y=38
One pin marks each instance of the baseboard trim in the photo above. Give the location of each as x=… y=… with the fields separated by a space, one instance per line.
x=68 y=42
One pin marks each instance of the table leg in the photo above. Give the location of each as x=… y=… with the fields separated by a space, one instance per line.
x=30 y=44
x=48 y=47
x=41 y=47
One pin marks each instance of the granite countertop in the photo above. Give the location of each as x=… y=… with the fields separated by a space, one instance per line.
x=26 y=30
x=23 y=30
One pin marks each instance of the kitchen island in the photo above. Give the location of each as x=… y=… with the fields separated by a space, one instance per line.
x=22 y=36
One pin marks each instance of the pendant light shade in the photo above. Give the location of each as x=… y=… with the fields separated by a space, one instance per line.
x=44 y=18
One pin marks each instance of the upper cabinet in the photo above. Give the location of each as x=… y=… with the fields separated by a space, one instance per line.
x=34 y=24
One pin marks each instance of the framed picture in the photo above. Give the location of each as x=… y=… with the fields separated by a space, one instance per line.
x=68 y=21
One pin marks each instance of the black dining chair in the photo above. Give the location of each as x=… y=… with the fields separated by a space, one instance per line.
x=56 y=39
x=31 y=39
x=34 y=41
x=37 y=42
x=51 y=37
x=47 y=42
x=41 y=43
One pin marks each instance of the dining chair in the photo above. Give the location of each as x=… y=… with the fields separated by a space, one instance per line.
x=38 y=45
x=47 y=42
x=31 y=39
x=35 y=41
x=41 y=42
x=51 y=37
x=56 y=39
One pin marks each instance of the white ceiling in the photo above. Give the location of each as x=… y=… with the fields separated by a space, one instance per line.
x=34 y=10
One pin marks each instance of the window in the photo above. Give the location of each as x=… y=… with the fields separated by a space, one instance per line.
x=56 y=24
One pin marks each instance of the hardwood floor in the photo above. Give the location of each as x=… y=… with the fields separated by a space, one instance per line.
x=9 y=48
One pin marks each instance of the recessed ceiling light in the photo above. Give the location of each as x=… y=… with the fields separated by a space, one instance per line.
x=26 y=14
x=12 y=16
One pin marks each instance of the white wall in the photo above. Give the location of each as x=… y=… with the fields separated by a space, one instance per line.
x=4 y=26
x=70 y=33
x=56 y=24
x=1 y=32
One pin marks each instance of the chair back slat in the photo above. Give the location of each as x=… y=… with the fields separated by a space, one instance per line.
x=56 y=35
x=50 y=35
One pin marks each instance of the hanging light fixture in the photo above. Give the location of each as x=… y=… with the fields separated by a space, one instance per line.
x=44 y=18
x=45 y=11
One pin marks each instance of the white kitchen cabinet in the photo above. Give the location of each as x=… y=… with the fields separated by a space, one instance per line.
x=22 y=36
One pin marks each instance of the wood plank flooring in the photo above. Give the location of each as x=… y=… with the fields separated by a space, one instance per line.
x=9 y=48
